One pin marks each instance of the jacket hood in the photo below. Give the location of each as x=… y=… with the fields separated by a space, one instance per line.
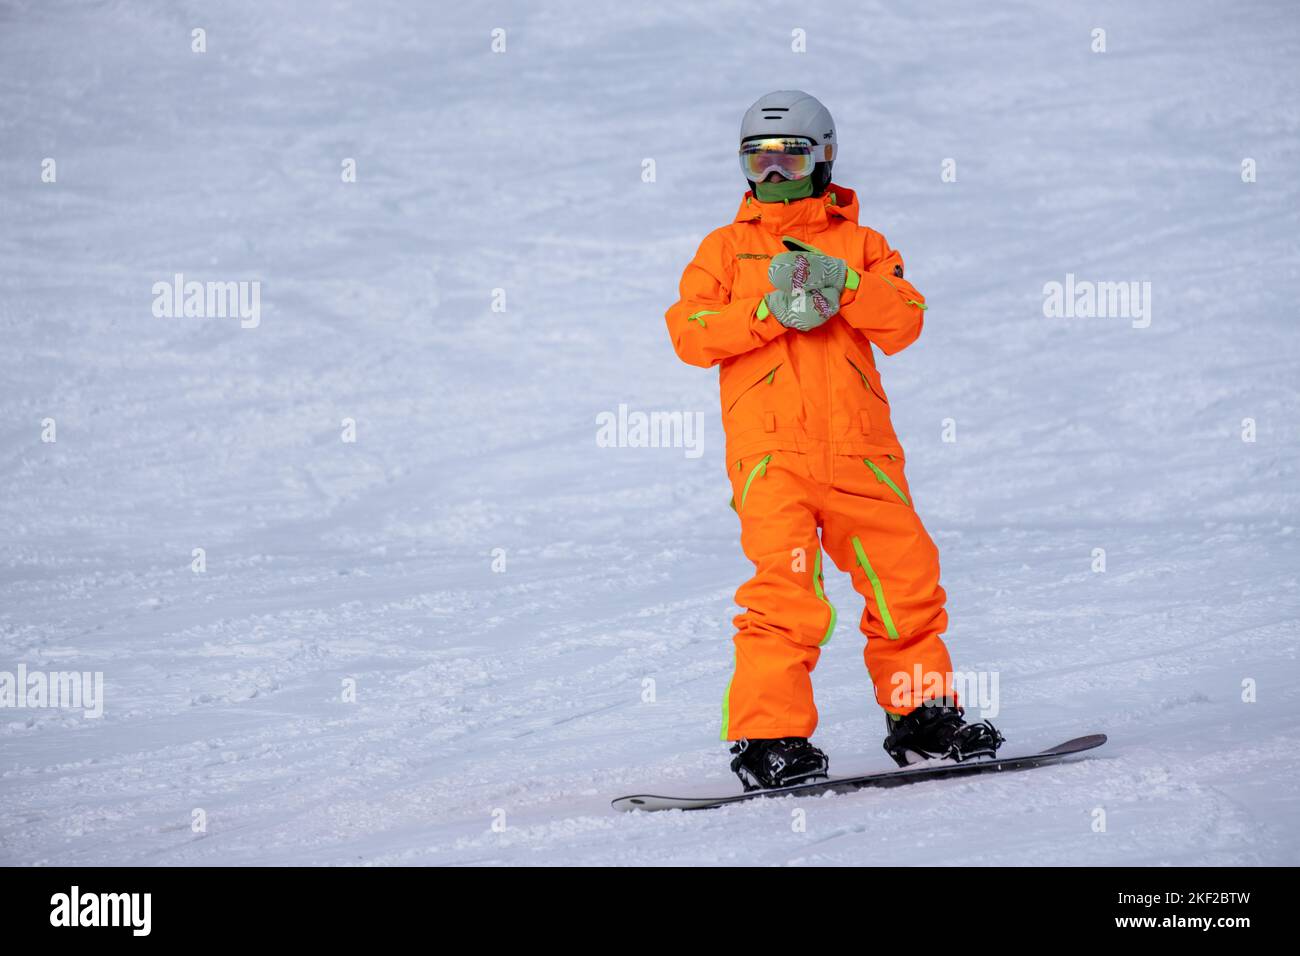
x=813 y=213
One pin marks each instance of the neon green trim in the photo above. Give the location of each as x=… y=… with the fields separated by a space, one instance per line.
x=784 y=190
x=861 y=374
x=726 y=703
x=754 y=472
x=762 y=312
x=820 y=589
x=851 y=279
x=771 y=375
x=876 y=589
x=697 y=316
x=880 y=475
x=866 y=382
x=920 y=305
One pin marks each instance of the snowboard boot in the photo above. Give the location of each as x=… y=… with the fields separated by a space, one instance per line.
x=931 y=732
x=778 y=762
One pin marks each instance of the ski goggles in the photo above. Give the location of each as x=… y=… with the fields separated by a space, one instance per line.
x=791 y=156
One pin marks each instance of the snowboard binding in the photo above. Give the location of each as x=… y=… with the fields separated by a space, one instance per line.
x=938 y=732
x=778 y=762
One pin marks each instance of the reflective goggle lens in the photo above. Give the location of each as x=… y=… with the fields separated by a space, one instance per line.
x=792 y=157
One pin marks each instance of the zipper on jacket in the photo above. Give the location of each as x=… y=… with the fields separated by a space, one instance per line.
x=885 y=479
x=830 y=391
x=769 y=378
x=699 y=316
x=920 y=305
x=858 y=370
x=866 y=381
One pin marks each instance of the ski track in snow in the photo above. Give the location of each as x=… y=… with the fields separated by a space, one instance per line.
x=522 y=691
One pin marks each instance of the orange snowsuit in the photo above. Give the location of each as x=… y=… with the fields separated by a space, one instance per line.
x=810 y=446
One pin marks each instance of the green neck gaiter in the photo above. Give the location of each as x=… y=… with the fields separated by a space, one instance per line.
x=784 y=190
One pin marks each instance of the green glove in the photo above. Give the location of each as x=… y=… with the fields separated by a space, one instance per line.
x=848 y=279
x=802 y=309
x=807 y=270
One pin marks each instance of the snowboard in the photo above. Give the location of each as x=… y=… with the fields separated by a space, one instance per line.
x=884 y=778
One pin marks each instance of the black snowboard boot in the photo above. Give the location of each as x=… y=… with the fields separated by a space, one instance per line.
x=938 y=731
x=779 y=762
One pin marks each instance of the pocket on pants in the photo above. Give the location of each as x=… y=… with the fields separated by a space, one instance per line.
x=758 y=470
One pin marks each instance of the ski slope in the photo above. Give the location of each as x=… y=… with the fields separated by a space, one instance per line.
x=498 y=711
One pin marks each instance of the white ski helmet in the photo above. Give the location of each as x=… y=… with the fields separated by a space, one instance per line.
x=793 y=113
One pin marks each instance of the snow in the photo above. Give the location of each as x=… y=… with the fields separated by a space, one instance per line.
x=519 y=697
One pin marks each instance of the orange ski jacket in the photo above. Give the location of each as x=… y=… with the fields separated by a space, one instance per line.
x=814 y=392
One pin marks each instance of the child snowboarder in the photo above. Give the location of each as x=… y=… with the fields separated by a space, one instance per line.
x=789 y=299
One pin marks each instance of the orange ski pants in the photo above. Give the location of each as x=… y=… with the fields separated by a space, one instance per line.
x=863 y=510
